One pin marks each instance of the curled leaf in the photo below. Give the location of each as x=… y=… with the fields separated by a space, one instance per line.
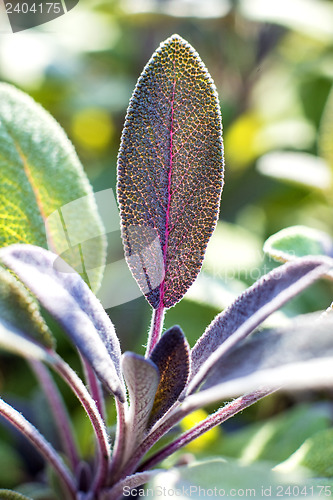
x=70 y=301
x=171 y=356
x=170 y=172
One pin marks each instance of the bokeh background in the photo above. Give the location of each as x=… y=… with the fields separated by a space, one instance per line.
x=272 y=63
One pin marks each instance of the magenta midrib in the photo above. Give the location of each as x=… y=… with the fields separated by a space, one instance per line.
x=167 y=215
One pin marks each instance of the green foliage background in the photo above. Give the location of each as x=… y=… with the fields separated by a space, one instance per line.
x=272 y=63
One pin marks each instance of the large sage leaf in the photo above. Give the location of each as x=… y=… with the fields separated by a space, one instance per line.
x=40 y=178
x=70 y=301
x=295 y=357
x=252 y=307
x=170 y=172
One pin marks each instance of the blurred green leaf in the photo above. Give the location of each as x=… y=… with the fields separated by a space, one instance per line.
x=36 y=491
x=301 y=168
x=325 y=139
x=313 y=17
x=45 y=196
x=298 y=241
x=12 y=495
x=15 y=341
x=20 y=309
x=277 y=438
x=233 y=253
x=217 y=477
x=181 y=8
x=11 y=468
x=316 y=453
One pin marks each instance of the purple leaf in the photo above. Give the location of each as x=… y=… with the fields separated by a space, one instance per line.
x=170 y=172
x=142 y=379
x=251 y=308
x=298 y=356
x=171 y=355
x=70 y=301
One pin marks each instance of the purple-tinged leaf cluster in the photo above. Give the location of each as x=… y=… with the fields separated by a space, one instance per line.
x=170 y=181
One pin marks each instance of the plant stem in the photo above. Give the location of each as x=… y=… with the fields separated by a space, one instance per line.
x=150 y=440
x=94 y=386
x=120 y=442
x=155 y=328
x=216 y=418
x=116 y=492
x=70 y=377
x=59 y=411
x=43 y=446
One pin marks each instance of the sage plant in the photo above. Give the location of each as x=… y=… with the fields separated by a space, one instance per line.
x=170 y=177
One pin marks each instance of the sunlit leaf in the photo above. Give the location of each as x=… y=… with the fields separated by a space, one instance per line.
x=278 y=437
x=12 y=495
x=298 y=241
x=70 y=301
x=316 y=453
x=170 y=172
x=40 y=175
x=326 y=132
x=301 y=168
x=312 y=17
x=171 y=356
x=217 y=477
x=18 y=308
x=181 y=8
x=267 y=295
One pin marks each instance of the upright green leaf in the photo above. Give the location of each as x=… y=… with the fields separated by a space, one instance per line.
x=298 y=241
x=40 y=178
x=12 y=495
x=170 y=172
x=325 y=140
x=18 y=308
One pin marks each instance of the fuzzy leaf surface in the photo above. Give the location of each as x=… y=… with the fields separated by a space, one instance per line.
x=298 y=356
x=40 y=178
x=70 y=301
x=170 y=172
x=172 y=356
x=252 y=307
x=142 y=378
x=20 y=309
